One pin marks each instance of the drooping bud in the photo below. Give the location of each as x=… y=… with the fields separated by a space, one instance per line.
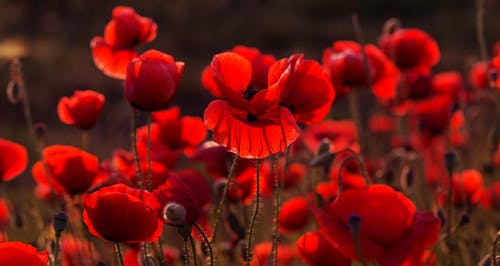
x=60 y=222
x=175 y=214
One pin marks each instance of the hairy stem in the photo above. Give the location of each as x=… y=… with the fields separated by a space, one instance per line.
x=207 y=243
x=118 y=252
x=255 y=213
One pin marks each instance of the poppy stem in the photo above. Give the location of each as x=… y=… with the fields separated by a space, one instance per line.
x=277 y=187
x=223 y=199
x=494 y=250
x=85 y=139
x=118 y=252
x=207 y=243
x=133 y=126
x=340 y=178
x=186 y=252
x=480 y=30
x=248 y=256
x=148 y=157
x=159 y=252
x=193 y=249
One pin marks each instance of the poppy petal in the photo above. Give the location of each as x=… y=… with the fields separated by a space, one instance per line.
x=110 y=60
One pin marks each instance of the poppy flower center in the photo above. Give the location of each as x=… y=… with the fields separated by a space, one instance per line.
x=250 y=92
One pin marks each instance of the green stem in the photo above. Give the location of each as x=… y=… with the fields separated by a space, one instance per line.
x=118 y=252
x=255 y=212
x=223 y=199
x=209 y=246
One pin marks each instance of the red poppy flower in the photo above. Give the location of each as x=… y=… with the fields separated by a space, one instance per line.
x=309 y=93
x=159 y=173
x=125 y=30
x=17 y=253
x=243 y=188
x=381 y=123
x=467 y=187
x=491 y=197
x=260 y=66
x=4 y=214
x=116 y=213
x=287 y=254
x=159 y=151
x=174 y=191
x=249 y=122
x=432 y=114
x=152 y=79
x=198 y=184
x=351 y=173
x=72 y=249
x=496 y=156
x=45 y=190
x=478 y=76
x=448 y=83
x=71 y=168
x=82 y=109
x=341 y=134
x=294 y=214
x=390 y=228
x=346 y=68
x=214 y=158
x=295 y=173
x=411 y=49
x=178 y=132
x=457 y=123
x=133 y=256
x=13 y=159
x=494 y=67
x=315 y=250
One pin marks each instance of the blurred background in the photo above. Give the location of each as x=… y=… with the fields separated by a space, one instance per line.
x=53 y=38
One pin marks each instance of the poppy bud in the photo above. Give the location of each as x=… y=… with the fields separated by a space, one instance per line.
x=324 y=146
x=40 y=129
x=60 y=221
x=354 y=223
x=450 y=159
x=152 y=79
x=175 y=214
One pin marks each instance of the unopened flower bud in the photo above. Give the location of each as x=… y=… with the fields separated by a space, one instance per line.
x=450 y=159
x=324 y=146
x=60 y=222
x=175 y=214
x=354 y=223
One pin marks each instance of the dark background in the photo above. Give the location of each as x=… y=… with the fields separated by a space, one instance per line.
x=58 y=60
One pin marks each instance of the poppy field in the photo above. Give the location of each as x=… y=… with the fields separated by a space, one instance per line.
x=371 y=154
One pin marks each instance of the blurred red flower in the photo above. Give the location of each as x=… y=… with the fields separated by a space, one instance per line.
x=133 y=256
x=341 y=134
x=478 y=75
x=72 y=250
x=198 y=184
x=152 y=80
x=18 y=253
x=380 y=123
x=82 y=109
x=287 y=254
x=390 y=228
x=467 y=187
x=13 y=159
x=4 y=214
x=179 y=132
x=116 y=213
x=159 y=174
x=411 y=49
x=126 y=29
x=316 y=250
x=294 y=214
x=346 y=68
x=70 y=168
x=174 y=191
x=491 y=197
x=294 y=174
x=249 y=121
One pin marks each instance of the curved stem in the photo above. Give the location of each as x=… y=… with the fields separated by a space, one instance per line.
x=193 y=249
x=223 y=199
x=255 y=213
x=361 y=165
x=133 y=126
x=118 y=252
x=149 y=183
x=209 y=246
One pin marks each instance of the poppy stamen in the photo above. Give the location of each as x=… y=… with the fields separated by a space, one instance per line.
x=250 y=92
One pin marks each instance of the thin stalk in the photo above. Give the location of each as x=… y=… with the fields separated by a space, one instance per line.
x=209 y=246
x=481 y=40
x=56 y=250
x=85 y=139
x=255 y=212
x=149 y=183
x=160 y=254
x=494 y=250
x=277 y=196
x=186 y=252
x=359 y=252
x=193 y=249
x=223 y=199
x=118 y=252
x=133 y=126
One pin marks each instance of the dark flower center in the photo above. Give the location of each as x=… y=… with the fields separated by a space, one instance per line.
x=251 y=117
x=250 y=92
